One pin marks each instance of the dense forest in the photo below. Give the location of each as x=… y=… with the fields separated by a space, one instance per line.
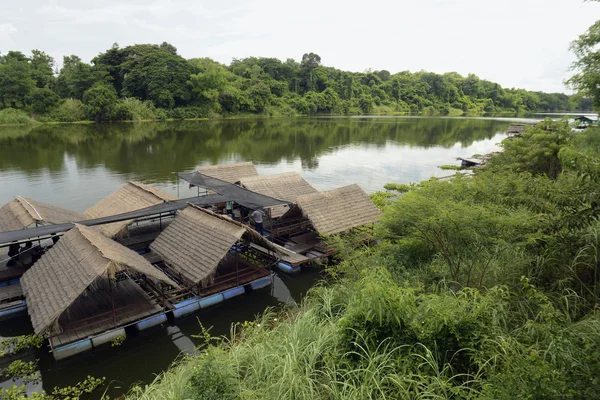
x=145 y=82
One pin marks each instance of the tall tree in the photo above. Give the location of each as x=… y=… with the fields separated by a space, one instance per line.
x=587 y=77
x=16 y=82
x=76 y=77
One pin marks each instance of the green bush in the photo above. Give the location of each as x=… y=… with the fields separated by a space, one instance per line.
x=11 y=116
x=187 y=113
x=68 y=111
x=135 y=110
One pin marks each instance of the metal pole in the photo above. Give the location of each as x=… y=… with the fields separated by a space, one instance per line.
x=177 y=184
x=237 y=280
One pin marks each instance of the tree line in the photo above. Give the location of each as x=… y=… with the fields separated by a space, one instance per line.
x=148 y=81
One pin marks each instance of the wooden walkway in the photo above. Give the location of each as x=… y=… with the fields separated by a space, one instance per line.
x=92 y=313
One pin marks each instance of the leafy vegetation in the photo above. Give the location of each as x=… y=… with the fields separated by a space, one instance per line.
x=146 y=81
x=89 y=385
x=480 y=287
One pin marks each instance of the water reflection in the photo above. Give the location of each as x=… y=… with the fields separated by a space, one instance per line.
x=76 y=165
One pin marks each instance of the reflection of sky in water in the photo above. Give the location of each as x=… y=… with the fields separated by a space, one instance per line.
x=374 y=166
x=369 y=165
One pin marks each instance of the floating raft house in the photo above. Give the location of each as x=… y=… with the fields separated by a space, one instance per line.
x=22 y=213
x=335 y=211
x=517 y=130
x=321 y=214
x=231 y=173
x=131 y=197
x=212 y=255
x=286 y=186
x=87 y=288
x=584 y=121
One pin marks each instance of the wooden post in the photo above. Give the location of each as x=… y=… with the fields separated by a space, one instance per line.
x=112 y=299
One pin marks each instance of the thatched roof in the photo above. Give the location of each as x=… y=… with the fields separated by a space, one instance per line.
x=231 y=173
x=197 y=240
x=286 y=186
x=22 y=213
x=338 y=210
x=63 y=274
x=131 y=197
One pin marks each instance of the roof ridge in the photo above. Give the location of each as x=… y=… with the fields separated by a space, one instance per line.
x=145 y=187
x=272 y=176
x=84 y=234
x=28 y=207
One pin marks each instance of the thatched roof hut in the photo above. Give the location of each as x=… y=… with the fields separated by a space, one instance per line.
x=22 y=213
x=336 y=211
x=131 y=197
x=197 y=240
x=81 y=257
x=286 y=186
x=231 y=173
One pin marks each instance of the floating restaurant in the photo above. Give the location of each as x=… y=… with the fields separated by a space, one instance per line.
x=141 y=256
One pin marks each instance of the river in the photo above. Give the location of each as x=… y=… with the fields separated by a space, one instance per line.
x=74 y=166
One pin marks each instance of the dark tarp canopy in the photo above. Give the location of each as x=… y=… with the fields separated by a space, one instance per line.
x=44 y=231
x=244 y=197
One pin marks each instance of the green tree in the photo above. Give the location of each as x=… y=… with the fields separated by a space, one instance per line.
x=154 y=73
x=76 y=77
x=16 y=81
x=100 y=101
x=587 y=65
x=43 y=99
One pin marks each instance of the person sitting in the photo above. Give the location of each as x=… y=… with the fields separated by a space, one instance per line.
x=229 y=208
x=257 y=217
x=13 y=253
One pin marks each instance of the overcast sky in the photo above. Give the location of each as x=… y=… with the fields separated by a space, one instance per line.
x=517 y=43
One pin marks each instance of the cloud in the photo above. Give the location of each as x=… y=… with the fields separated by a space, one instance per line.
x=6 y=33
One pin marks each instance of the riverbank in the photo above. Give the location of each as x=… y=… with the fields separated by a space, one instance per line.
x=454 y=302
x=11 y=117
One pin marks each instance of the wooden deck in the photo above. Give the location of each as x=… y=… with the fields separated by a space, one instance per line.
x=92 y=314
x=286 y=255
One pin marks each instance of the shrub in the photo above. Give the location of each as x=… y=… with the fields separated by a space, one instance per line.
x=131 y=109
x=11 y=116
x=68 y=111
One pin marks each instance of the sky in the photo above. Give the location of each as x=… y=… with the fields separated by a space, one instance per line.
x=517 y=43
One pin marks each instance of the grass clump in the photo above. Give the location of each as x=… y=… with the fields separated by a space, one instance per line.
x=450 y=167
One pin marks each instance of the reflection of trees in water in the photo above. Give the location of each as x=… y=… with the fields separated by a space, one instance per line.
x=158 y=149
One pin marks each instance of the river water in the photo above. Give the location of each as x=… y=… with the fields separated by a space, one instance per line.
x=74 y=166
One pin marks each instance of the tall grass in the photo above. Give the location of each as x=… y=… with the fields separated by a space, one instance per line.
x=375 y=339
